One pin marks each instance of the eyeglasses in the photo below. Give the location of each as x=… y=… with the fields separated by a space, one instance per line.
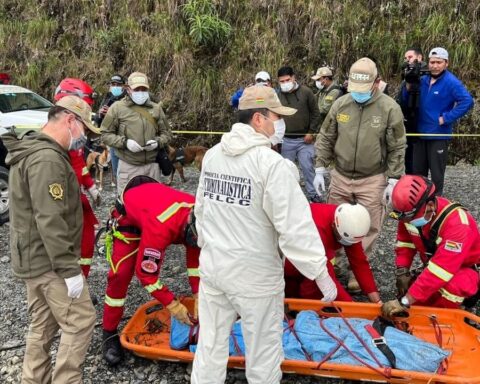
x=396 y=215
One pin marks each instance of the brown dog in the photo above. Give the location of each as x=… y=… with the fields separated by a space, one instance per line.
x=185 y=156
x=98 y=161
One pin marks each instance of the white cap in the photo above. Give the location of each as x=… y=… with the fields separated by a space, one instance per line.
x=438 y=53
x=262 y=75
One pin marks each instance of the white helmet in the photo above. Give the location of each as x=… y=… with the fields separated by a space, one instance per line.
x=352 y=223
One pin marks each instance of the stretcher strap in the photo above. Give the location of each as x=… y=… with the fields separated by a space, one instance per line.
x=379 y=341
x=442 y=368
x=235 y=344
x=292 y=329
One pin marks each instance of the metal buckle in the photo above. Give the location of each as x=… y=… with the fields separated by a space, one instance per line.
x=379 y=341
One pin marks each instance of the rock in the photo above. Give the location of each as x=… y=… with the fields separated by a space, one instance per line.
x=5 y=259
x=139 y=374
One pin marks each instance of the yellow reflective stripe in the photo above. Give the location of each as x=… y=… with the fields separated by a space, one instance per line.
x=170 y=211
x=438 y=271
x=411 y=228
x=114 y=302
x=450 y=296
x=84 y=171
x=463 y=216
x=153 y=287
x=403 y=244
x=85 y=261
x=193 y=272
x=439 y=240
x=333 y=261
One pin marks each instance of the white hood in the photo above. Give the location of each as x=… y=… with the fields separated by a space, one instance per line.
x=241 y=138
x=28 y=117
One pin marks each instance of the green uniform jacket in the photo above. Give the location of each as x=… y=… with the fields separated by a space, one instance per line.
x=45 y=209
x=123 y=122
x=363 y=140
x=306 y=120
x=326 y=97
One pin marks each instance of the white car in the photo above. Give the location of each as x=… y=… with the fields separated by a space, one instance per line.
x=25 y=110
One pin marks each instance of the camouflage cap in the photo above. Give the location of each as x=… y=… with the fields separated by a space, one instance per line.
x=322 y=72
x=80 y=109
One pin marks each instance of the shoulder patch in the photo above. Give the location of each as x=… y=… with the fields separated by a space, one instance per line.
x=453 y=246
x=56 y=191
x=328 y=97
x=343 y=118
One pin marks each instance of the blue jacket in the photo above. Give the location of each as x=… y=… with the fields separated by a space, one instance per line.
x=447 y=97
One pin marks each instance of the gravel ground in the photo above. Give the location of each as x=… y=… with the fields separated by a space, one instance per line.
x=461 y=186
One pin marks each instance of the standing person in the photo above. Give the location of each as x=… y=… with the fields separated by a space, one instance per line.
x=45 y=233
x=261 y=78
x=329 y=91
x=148 y=218
x=242 y=221
x=443 y=100
x=363 y=135
x=300 y=127
x=446 y=237
x=343 y=226
x=413 y=69
x=137 y=129
x=115 y=93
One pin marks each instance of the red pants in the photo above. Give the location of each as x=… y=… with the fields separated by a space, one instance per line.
x=298 y=286
x=88 y=236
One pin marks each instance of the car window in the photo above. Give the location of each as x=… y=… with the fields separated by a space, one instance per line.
x=12 y=102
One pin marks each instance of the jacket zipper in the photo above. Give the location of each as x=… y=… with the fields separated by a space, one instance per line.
x=356 y=141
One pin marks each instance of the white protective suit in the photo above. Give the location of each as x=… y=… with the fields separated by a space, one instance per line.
x=248 y=204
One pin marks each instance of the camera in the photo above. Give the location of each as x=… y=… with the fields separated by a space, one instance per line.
x=412 y=72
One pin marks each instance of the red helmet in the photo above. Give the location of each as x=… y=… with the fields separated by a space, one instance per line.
x=75 y=87
x=409 y=195
x=4 y=78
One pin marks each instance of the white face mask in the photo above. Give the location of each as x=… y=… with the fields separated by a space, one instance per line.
x=286 y=87
x=139 y=97
x=78 y=142
x=279 y=126
x=319 y=85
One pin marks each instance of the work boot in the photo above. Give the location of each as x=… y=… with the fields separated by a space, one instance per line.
x=112 y=350
x=353 y=286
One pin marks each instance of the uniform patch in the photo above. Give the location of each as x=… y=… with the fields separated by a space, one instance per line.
x=453 y=246
x=328 y=97
x=342 y=118
x=376 y=120
x=151 y=252
x=149 y=266
x=56 y=191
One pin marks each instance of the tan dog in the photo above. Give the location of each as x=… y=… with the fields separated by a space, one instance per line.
x=185 y=156
x=98 y=161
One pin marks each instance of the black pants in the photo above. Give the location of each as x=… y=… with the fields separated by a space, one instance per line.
x=431 y=155
x=409 y=155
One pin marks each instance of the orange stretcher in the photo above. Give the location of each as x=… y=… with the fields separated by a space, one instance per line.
x=147 y=335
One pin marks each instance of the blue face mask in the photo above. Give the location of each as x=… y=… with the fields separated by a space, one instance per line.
x=361 y=97
x=420 y=222
x=116 y=91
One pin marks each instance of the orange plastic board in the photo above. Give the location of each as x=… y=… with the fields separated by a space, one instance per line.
x=147 y=335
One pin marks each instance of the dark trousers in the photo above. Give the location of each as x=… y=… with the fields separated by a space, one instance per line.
x=409 y=155
x=431 y=155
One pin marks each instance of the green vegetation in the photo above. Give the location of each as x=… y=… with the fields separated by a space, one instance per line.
x=198 y=52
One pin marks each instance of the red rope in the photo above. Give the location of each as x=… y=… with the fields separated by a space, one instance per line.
x=291 y=327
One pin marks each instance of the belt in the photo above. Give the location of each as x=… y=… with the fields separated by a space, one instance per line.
x=129 y=229
x=377 y=330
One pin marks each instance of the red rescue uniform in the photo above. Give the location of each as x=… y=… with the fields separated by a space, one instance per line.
x=449 y=276
x=156 y=216
x=298 y=286
x=89 y=220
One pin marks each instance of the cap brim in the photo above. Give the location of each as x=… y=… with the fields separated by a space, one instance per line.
x=139 y=85
x=316 y=77
x=283 y=111
x=359 y=87
x=91 y=127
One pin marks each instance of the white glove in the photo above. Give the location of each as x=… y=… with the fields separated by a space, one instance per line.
x=328 y=288
x=75 y=286
x=95 y=194
x=319 y=180
x=387 y=194
x=133 y=146
x=150 y=145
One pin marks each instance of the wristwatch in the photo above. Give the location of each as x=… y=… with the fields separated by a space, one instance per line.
x=404 y=301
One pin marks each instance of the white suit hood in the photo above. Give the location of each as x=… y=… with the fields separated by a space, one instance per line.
x=241 y=138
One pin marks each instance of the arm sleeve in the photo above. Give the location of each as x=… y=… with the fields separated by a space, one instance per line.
x=396 y=140
x=193 y=255
x=361 y=268
x=164 y=132
x=50 y=217
x=198 y=209
x=291 y=216
x=463 y=103
x=314 y=113
x=405 y=250
x=109 y=129
x=325 y=143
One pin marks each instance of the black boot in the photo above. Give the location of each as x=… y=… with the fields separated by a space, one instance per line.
x=112 y=350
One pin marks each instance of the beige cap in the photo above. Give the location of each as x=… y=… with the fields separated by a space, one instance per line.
x=363 y=74
x=80 y=109
x=138 y=79
x=322 y=72
x=263 y=97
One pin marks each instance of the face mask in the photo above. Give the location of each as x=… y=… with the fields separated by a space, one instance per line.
x=420 y=222
x=139 y=97
x=286 y=87
x=77 y=143
x=279 y=126
x=116 y=91
x=264 y=83
x=319 y=85
x=361 y=97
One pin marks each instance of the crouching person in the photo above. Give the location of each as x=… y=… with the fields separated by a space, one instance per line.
x=343 y=225
x=446 y=237
x=149 y=216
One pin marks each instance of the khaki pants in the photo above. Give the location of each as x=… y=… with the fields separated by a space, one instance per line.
x=50 y=308
x=126 y=171
x=367 y=192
